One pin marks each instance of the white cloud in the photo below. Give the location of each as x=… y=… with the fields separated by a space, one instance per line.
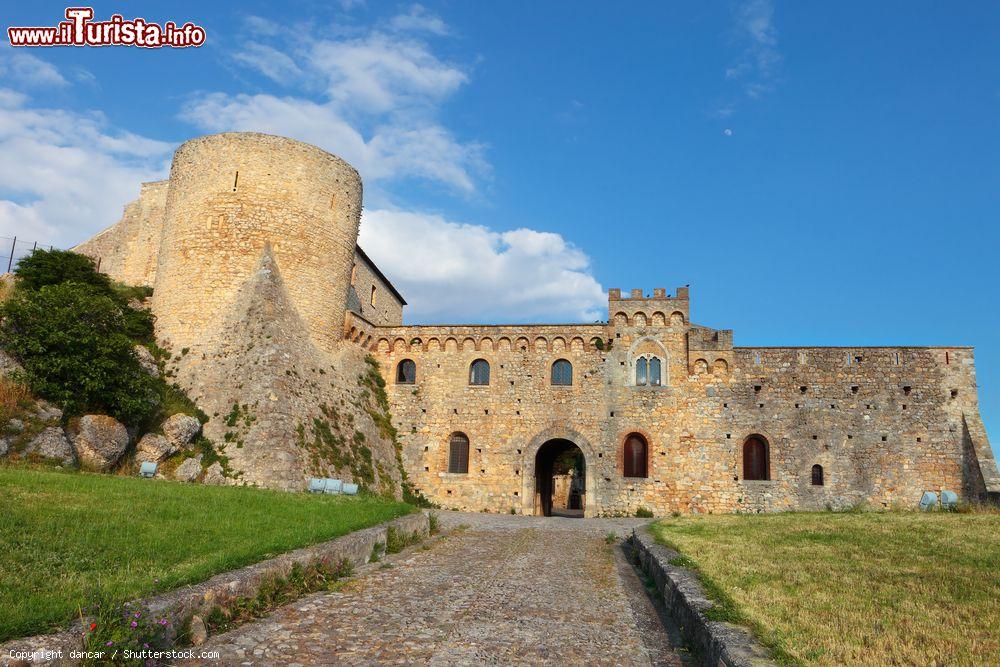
x=371 y=98
x=66 y=175
x=756 y=65
x=450 y=271
x=428 y=152
x=419 y=19
x=19 y=66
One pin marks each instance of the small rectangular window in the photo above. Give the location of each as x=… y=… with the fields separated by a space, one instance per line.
x=373 y=295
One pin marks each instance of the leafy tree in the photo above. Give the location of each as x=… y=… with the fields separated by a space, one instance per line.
x=73 y=341
x=55 y=267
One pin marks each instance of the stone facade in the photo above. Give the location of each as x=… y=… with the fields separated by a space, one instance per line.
x=258 y=273
x=128 y=249
x=885 y=424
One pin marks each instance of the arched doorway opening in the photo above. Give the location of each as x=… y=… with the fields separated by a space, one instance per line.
x=560 y=479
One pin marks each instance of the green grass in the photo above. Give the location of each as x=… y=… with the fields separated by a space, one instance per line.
x=853 y=588
x=64 y=534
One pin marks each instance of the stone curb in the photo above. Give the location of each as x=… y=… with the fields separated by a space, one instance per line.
x=180 y=604
x=715 y=642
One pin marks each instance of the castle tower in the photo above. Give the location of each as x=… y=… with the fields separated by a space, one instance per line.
x=232 y=194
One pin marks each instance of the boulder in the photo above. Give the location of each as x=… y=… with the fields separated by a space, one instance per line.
x=99 y=441
x=52 y=444
x=47 y=412
x=146 y=360
x=189 y=470
x=154 y=447
x=4 y=446
x=15 y=426
x=214 y=474
x=181 y=429
x=199 y=633
x=8 y=364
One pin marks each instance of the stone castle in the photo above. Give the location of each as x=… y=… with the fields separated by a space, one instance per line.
x=272 y=314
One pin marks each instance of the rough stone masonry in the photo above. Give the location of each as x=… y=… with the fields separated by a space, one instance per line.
x=270 y=308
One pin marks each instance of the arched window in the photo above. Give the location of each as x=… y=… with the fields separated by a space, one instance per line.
x=406 y=372
x=640 y=371
x=648 y=370
x=458 y=453
x=654 y=372
x=562 y=372
x=479 y=372
x=817 y=475
x=755 y=459
x=634 y=456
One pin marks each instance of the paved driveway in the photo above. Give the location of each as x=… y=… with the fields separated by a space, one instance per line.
x=503 y=590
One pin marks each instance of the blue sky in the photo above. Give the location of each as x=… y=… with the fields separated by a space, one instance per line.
x=820 y=173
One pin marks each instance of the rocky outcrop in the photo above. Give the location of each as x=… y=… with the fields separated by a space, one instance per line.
x=181 y=430
x=8 y=364
x=52 y=444
x=154 y=447
x=45 y=411
x=99 y=441
x=4 y=446
x=146 y=360
x=214 y=474
x=273 y=391
x=189 y=470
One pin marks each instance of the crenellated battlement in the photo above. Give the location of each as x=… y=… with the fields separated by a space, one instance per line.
x=615 y=294
x=642 y=310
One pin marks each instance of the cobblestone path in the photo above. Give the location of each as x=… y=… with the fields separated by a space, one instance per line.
x=504 y=590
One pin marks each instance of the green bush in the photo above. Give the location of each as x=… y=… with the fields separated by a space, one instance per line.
x=73 y=341
x=56 y=267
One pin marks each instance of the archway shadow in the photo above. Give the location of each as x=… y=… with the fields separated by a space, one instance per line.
x=560 y=479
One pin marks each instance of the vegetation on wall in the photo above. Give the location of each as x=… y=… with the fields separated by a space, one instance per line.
x=372 y=380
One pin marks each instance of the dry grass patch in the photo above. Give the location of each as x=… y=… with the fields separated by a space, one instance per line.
x=14 y=399
x=858 y=588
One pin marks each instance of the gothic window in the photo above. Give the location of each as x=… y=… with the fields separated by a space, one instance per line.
x=479 y=372
x=817 y=475
x=756 y=465
x=654 y=372
x=634 y=456
x=373 y=295
x=648 y=371
x=406 y=372
x=458 y=453
x=562 y=372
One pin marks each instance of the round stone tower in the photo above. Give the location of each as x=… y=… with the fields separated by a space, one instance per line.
x=230 y=195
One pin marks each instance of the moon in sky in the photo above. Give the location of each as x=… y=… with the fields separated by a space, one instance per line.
x=727 y=132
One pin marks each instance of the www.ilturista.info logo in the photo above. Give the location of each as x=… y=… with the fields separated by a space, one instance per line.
x=80 y=30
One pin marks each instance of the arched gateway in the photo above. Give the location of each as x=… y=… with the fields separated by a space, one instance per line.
x=558 y=482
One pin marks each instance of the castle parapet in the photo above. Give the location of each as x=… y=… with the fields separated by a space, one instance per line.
x=641 y=310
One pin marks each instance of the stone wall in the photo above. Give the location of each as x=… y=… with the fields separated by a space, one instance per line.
x=249 y=247
x=229 y=196
x=128 y=250
x=387 y=309
x=815 y=406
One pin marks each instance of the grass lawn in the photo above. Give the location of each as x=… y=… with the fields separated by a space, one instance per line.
x=854 y=588
x=62 y=534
